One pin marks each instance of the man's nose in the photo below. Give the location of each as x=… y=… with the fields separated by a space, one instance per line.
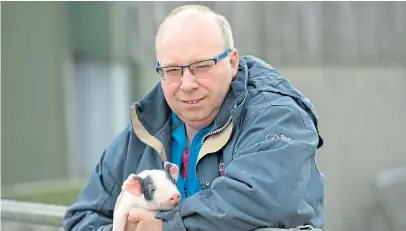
x=188 y=81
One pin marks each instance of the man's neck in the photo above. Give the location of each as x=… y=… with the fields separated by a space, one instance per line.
x=190 y=133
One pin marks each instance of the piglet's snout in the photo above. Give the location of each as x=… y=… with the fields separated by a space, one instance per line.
x=174 y=198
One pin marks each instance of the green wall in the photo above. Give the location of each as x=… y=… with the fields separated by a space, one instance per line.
x=37 y=38
x=33 y=44
x=89 y=27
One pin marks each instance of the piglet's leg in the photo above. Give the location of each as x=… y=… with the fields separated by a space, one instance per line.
x=121 y=211
x=131 y=189
x=119 y=222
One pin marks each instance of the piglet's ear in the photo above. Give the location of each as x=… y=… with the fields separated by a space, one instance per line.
x=172 y=169
x=133 y=185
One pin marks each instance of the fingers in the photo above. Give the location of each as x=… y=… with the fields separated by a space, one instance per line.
x=131 y=226
x=144 y=220
x=133 y=220
x=137 y=215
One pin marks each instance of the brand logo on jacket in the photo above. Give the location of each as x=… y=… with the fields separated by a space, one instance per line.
x=273 y=136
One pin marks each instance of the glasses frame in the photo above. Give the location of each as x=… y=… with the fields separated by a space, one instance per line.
x=216 y=59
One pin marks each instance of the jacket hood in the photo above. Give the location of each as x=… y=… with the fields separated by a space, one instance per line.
x=264 y=77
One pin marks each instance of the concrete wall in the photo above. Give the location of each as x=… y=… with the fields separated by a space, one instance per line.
x=362 y=113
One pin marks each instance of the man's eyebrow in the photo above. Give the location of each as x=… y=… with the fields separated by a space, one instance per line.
x=176 y=64
x=168 y=64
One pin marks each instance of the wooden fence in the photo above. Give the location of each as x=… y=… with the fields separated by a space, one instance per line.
x=296 y=33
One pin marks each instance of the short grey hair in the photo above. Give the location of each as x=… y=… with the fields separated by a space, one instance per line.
x=221 y=20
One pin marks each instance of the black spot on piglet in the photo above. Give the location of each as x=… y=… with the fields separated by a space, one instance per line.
x=148 y=188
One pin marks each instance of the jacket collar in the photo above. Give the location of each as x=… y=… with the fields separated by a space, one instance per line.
x=151 y=115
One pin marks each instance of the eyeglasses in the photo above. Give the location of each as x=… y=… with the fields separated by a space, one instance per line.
x=200 y=69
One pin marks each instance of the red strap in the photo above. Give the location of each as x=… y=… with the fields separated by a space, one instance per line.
x=185 y=164
x=221 y=169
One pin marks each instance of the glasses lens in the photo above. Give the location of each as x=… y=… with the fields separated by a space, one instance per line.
x=203 y=69
x=171 y=74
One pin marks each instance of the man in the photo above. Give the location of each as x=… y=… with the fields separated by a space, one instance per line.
x=249 y=136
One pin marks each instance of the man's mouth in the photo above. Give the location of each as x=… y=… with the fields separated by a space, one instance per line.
x=192 y=101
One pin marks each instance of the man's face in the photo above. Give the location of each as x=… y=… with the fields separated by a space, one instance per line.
x=189 y=39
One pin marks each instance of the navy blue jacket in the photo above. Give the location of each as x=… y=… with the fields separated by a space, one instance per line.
x=264 y=140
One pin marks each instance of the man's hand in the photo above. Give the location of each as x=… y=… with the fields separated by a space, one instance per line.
x=143 y=220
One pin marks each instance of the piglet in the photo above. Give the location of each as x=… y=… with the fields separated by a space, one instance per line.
x=150 y=190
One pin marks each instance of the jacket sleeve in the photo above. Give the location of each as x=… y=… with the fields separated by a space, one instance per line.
x=266 y=184
x=93 y=209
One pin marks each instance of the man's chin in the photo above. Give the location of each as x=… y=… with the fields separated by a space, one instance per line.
x=197 y=121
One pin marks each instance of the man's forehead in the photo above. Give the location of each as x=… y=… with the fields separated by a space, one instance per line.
x=188 y=30
x=188 y=16
x=185 y=48
x=192 y=22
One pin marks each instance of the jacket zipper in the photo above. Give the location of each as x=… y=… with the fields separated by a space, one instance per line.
x=185 y=187
x=209 y=134
x=216 y=131
x=220 y=129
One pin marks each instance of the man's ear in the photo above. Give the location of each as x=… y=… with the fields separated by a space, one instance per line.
x=133 y=185
x=234 y=62
x=172 y=169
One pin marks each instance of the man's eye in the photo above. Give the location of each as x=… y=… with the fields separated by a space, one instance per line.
x=172 y=70
x=203 y=66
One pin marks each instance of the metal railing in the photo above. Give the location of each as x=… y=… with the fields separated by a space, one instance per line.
x=29 y=216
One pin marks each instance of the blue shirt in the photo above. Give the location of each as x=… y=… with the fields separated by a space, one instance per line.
x=190 y=185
